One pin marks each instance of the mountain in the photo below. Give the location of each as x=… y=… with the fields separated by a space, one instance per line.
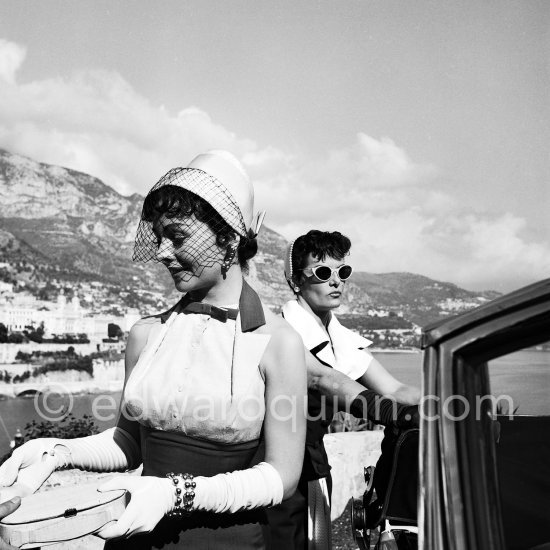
x=74 y=220
x=63 y=225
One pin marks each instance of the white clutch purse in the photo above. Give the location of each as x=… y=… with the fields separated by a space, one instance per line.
x=62 y=514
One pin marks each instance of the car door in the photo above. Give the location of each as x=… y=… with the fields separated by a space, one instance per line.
x=468 y=454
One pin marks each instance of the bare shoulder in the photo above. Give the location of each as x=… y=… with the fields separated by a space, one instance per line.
x=280 y=330
x=137 y=338
x=144 y=326
x=139 y=333
x=285 y=351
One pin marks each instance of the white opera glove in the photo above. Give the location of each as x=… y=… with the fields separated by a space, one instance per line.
x=113 y=450
x=257 y=487
x=151 y=498
x=30 y=465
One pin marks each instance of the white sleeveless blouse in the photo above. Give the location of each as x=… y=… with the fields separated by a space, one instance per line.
x=191 y=379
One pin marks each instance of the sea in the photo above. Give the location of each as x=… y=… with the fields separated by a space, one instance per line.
x=523 y=376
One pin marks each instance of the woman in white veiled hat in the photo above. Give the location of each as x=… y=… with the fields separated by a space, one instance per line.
x=203 y=381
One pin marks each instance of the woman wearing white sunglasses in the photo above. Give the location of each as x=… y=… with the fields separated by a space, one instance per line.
x=316 y=271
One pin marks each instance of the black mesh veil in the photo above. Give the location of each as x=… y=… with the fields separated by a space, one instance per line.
x=171 y=225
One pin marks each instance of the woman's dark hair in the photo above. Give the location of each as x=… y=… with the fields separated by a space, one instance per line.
x=319 y=244
x=173 y=201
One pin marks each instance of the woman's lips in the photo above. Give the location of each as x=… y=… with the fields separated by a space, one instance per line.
x=176 y=271
x=335 y=294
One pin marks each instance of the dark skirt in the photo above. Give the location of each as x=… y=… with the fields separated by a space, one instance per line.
x=165 y=452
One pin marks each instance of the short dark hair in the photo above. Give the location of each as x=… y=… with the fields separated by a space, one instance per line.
x=173 y=201
x=319 y=244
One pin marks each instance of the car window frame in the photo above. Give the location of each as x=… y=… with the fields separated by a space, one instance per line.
x=457 y=507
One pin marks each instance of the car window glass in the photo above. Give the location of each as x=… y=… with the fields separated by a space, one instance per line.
x=520 y=381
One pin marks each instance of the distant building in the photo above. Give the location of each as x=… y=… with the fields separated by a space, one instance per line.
x=378 y=313
x=457 y=305
x=60 y=317
x=19 y=312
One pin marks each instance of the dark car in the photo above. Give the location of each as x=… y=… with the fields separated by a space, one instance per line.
x=484 y=456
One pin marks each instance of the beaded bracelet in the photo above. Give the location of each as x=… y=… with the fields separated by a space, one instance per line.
x=184 y=502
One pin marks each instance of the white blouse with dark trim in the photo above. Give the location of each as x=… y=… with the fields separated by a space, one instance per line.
x=200 y=376
x=345 y=350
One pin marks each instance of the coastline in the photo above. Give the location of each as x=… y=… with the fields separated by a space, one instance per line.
x=86 y=387
x=102 y=385
x=394 y=350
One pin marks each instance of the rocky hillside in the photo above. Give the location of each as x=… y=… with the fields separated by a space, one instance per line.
x=73 y=220
x=62 y=224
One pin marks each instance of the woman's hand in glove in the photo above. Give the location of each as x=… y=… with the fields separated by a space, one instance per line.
x=151 y=498
x=31 y=464
x=385 y=410
x=408 y=416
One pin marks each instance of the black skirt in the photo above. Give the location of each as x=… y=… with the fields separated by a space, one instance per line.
x=165 y=452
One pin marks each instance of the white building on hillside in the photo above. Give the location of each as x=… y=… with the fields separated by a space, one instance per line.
x=60 y=317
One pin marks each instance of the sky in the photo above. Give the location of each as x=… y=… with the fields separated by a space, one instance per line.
x=419 y=129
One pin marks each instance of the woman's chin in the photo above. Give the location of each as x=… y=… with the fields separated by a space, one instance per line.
x=327 y=306
x=180 y=287
x=334 y=303
x=184 y=285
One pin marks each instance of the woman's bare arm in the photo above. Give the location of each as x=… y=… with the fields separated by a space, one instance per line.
x=286 y=402
x=333 y=383
x=377 y=378
x=137 y=339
